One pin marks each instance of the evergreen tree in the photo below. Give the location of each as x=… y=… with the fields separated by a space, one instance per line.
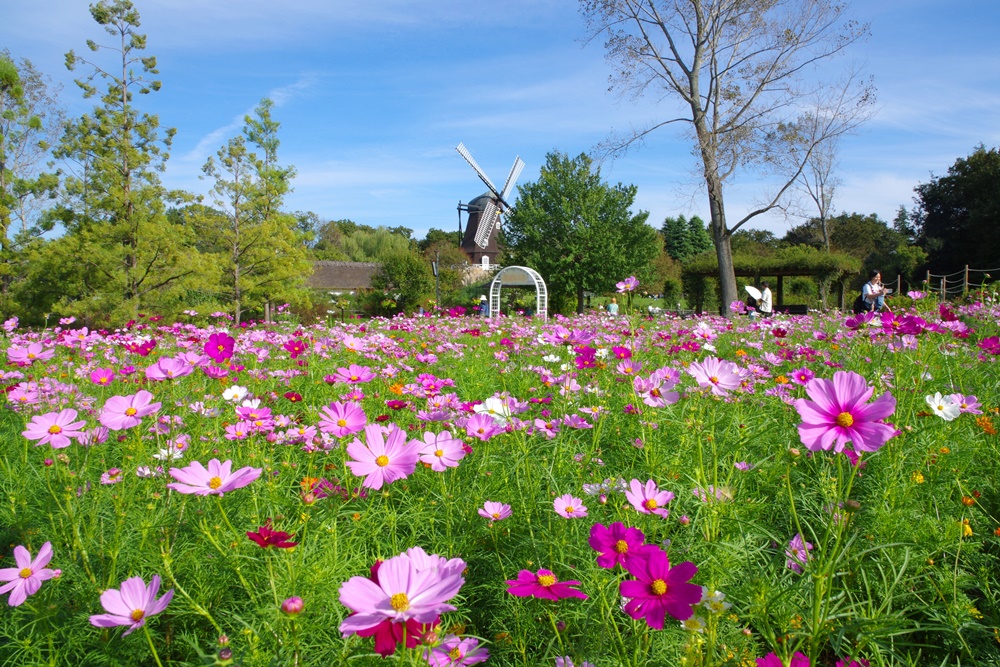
x=699 y=239
x=676 y=241
x=130 y=255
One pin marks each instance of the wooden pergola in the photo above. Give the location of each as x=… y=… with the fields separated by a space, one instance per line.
x=791 y=262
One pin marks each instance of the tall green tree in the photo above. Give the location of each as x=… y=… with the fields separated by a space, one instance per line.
x=956 y=217
x=131 y=256
x=577 y=231
x=30 y=122
x=260 y=249
x=404 y=277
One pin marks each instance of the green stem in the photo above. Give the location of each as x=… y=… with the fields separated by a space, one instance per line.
x=152 y=648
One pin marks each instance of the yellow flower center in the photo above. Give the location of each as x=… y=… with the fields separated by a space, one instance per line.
x=438 y=453
x=400 y=602
x=713 y=380
x=382 y=461
x=221 y=348
x=495 y=515
x=649 y=504
x=342 y=423
x=455 y=654
x=658 y=587
x=354 y=378
x=130 y=411
x=25 y=573
x=55 y=428
x=570 y=509
x=621 y=547
x=214 y=483
x=137 y=615
x=546 y=580
x=845 y=420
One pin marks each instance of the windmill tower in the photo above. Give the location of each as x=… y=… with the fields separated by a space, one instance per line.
x=482 y=230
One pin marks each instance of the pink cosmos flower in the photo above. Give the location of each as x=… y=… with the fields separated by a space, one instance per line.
x=801 y=376
x=27 y=577
x=569 y=507
x=797 y=553
x=659 y=589
x=772 y=660
x=384 y=459
x=545 y=585
x=630 y=284
x=653 y=391
x=838 y=414
x=405 y=589
x=102 y=376
x=967 y=404
x=440 y=451
x=131 y=605
x=454 y=651
x=342 y=419
x=482 y=426
x=121 y=412
x=648 y=498
x=616 y=544
x=25 y=356
x=169 y=368
x=54 y=428
x=354 y=374
x=219 y=347
x=216 y=479
x=494 y=511
x=716 y=374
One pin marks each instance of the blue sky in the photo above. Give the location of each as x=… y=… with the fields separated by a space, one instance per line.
x=374 y=96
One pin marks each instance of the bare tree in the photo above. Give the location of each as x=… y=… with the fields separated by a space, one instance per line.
x=743 y=71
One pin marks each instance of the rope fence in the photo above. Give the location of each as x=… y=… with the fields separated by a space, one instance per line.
x=948 y=285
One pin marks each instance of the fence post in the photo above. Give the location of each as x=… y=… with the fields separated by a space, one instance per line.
x=965 y=291
x=899 y=284
x=944 y=292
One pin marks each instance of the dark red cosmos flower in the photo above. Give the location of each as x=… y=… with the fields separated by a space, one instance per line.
x=267 y=537
x=293 y=397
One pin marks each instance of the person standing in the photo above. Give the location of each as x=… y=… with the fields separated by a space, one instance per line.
x=764 y=306
x=484 y=306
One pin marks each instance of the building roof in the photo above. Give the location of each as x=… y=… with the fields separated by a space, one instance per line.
x=342 y=275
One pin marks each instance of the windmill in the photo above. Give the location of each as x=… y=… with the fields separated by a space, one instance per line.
x=485 y=210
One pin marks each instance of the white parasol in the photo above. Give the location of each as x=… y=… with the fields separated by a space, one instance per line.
x=753 y=291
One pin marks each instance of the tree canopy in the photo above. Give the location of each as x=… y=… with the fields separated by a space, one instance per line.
x=577 y=231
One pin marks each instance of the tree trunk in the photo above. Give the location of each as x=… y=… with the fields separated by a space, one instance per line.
x=723 y=247
x=579 y=299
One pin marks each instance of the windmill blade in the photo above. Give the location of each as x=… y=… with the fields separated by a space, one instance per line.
x=463 y=151
x=487 y=220
x=515 y=171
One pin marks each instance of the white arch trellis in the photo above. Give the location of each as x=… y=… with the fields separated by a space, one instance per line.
x=519 y=276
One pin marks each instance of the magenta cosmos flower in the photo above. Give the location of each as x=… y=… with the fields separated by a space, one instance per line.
x=797 y=553
x=545 y=585
x=121 y=412
x=838 y=414
x=616 y=544
x=630 y=284
x=569 y=507
x=659 y=589
x=716 y=374
x=27 y=577
x=131 y=605
x=772 y=660
x=342 y=419
x=216 y=479
x=54 y=428
x=220 y=347
x=648 y=499
x=494 y=511
x=383 y=458
x=482 y=426
x=440 y=451
x=406 y=588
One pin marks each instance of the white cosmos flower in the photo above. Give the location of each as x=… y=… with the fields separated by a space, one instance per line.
x=496 y=408
x=552 y=358
x=235 y=393
x=943 y=406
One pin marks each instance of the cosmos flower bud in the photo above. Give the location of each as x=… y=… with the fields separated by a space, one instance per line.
x=852 y=506
x=794 y=452
x=293 y=606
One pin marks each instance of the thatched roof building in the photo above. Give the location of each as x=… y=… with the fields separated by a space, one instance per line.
x=342 y=276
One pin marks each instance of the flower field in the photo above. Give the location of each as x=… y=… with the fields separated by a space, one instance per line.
x=452 y=491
